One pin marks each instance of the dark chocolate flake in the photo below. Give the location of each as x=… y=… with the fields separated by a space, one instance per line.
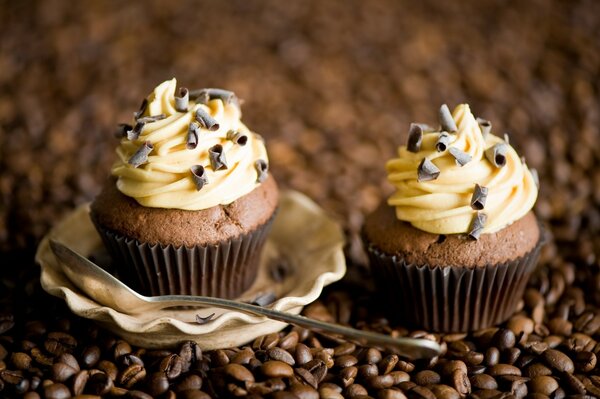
x=506 y=138
x=191 y=140
x=206 y=319
x=479 y=196
x=122 y=130
x=142 y=109
x=217 y=157
x=134 y=133
x=264 y=299
x=206 y=121
x=182 y=101
x=427 y=171
x=497 y=154
x=446 y=119
x=141 y=155
x=262 y=170
x=199 y=176
x=237 y=137
x=485 y=126
x=477 y=225
x=205 y=95
x=415 y=137
x=153 y=118
x=442 y=142
x=461 y=157
x=536 y=177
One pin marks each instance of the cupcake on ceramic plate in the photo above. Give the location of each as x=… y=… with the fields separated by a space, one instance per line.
x=454 y=246
x=190 y=202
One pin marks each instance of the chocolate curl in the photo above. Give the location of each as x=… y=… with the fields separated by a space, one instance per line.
x=141 y=155
x=536 y=177
x=446 y=119
x=134 y=133
x=497 y=154
x=217 y=157
x=264 y=299
x=506 y=138
x=262 y=170
x=205 y=95
x=206 y=121
x=204 y=320
x=183 y=100
x=485 y=126
x=191 y=139
x=199 y=176
x=415 y=137
x=153 y=118
x=122 y=130
x=237 y=137
x=479 y=196
x=427 y=171
x=477 y=225
x=461 y=157
x=442 y=142
x=142 y=109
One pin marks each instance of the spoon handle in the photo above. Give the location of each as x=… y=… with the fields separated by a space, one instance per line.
x=409 y=347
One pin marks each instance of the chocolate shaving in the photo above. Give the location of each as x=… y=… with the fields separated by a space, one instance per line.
x=497 y=154
x=442 y=142
x=205 y=95
x=153 y=118
x=183 y=100
x=217 y=157
x=262 y=170
x=536 y=177
x=264 y=299
x=191 y=139
x=506 y=138
x=485 y=126
x=479 y=196
x=204 y=320
x=142 y=109
x=427 y=171
x=461 y=157
x=134 y=133
x=122 y=130
x=237 y=137
x=141 y=155
x=446 y=119
x=206 y=121
x=477 y=225
x=415 y=137
x=199 y=176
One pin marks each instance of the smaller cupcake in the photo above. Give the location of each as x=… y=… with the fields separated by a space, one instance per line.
x=190 y=202
x=454 y=246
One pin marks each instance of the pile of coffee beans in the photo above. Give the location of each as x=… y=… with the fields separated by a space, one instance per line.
x=332 y=86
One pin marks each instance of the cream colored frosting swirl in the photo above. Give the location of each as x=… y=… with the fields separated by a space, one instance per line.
x=443 y=205
x=165 y=180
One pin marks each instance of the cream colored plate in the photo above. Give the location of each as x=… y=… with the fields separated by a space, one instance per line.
x=302 y=235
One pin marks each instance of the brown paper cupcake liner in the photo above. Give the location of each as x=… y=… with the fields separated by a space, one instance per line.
x=452 y=298
x=223 y=270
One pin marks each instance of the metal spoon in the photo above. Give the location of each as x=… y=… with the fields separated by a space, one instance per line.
x=109 y=291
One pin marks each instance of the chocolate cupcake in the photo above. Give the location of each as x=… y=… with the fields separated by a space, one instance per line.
x=454 y=246
x=190 y=201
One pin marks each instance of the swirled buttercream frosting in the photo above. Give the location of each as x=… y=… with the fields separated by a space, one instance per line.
x=460 y=178
x=188 y=150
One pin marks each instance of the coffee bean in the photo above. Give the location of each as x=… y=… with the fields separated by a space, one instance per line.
x=380 y=381
x=135 y=394
x=31 y=395
x=347 y=375
x=543 y=384
x=320 y=371
x=90 y=356
x=444 y=392
x=41 y=358
x=58 y=343
x=387 y=364
x=99 y=384
x=345 y=348
x=109 y=368
x=306 y=377
x=304 y=391
x=460 y=381
x=537 y=369
x=427 y=377
x=520 y=324
x=129 y=359
x=289 y=341
x=265 y=342
x=172 y=366
x=558 y=360
x=405 y=366
x=483 y=381
x=355 y=391
x=193 y=394
x=422 y=392
x=504 y=339
x=56 y=391
x=492 y=356
x=189 y=382
x=132 y=375
x=302 y=355
x=346 y=361
x=69 y=360
x=121 y=348
x=11 y=377
x=511 y=355
x=79 y=382
x=238 y=373
x=190 y=354
x=503 y=369
x=21 y=361
x=585 y=361
x=244 y=356
x=276 y=369
x=372 y=356
x=329 y=393
x=218 y=358
x=391 y=393
x=281 y=355
x=62 y=372
x=450 y=366
x=573 y=383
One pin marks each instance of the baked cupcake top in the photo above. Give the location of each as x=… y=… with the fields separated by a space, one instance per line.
x=188 y=150
x=460 y=178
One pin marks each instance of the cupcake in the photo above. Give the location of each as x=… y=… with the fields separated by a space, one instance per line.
x=454 y=246
x=190 y=201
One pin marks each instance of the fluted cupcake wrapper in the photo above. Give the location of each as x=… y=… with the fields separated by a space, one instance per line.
x=452 y=298
x=223 y=270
